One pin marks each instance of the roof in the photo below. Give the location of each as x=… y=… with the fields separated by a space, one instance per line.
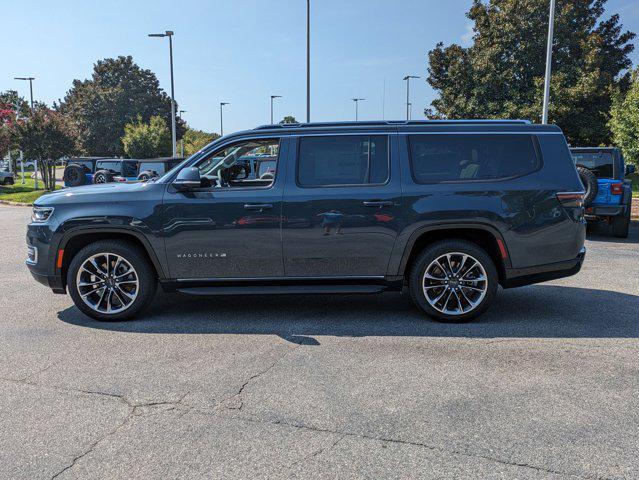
x=392 y=122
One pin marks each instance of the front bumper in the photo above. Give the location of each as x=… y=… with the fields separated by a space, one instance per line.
x=54 y=282
x=518 y=277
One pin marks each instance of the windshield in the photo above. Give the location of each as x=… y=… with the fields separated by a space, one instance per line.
x=601 y=164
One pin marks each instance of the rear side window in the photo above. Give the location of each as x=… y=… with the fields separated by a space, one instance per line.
x=601 y=164
x=342 y=160
x=459 y=158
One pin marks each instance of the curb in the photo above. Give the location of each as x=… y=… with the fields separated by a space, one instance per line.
x=16 y=204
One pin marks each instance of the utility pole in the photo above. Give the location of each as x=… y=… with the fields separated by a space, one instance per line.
x=551 y=27
x=169 y=34
x=357 y=100
x=272 y=97
x=30 y=79
x=407 y=78
x=222 y=118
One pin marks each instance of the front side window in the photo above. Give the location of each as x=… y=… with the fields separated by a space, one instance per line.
x=454 y=158
x=342 y=160
x=238 y=165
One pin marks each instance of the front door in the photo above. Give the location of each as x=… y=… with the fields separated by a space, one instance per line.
x=341 y=206
x=230 y=228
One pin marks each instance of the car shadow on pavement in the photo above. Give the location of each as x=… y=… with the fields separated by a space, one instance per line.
x=603 y=233
x=540 y=311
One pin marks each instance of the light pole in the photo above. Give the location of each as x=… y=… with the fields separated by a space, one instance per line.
x=181 y=139
x=551 y=26
x=357 y=100
x=169 y=34
x=30 y=79
x=272 y=97
x=308 y=61
x=407 y=78
x=410 y=110
x=222 y=118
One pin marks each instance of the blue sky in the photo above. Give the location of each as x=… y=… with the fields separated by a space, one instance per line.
x=242 y=51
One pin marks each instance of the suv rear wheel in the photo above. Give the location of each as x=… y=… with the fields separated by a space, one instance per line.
x=111 y=280
x=453 y=281
x=621 y=225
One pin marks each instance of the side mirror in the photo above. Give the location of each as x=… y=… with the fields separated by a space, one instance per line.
x=188 y=178
x=630 y=169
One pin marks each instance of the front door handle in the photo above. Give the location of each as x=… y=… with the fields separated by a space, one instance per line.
x=258 y=206
x=378 y=203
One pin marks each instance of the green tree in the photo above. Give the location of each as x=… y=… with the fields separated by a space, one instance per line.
x=624 y=120
x=288 y=119
x=501 y=75
x=11 y=106
x=147 y=140
x=195 y=140
x=116 y=94
x=45 y=136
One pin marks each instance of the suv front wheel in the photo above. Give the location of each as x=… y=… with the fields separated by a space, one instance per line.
x=453 y=280
x=111 y=280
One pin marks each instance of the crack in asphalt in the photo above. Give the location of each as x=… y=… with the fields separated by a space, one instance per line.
x=317 y=452
x=344 y=434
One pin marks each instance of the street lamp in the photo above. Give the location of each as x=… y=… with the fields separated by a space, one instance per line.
x=410 y=110
x=357 y=100
x=30 y=79
x=272 y=97
x=308 y=61
x=551 y=26
x=407 y=78
x=222 y=118
x=181 y=139
x=169 y=34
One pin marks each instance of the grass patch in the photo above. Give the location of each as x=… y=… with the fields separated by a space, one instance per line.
x=22 y=193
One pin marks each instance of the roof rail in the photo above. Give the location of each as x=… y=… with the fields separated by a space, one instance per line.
x=391 y=122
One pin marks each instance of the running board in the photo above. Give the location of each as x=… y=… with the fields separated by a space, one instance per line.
x=283 y=289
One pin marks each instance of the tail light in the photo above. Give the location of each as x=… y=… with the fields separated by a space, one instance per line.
x=616 y=188
x=571 y=199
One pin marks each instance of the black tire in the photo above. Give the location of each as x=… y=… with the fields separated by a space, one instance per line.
x=102 y=176
x=147 y=279
x=8 y=181
x=435 y=251
x=589 y=181
x=74 y=175
x=621 y=225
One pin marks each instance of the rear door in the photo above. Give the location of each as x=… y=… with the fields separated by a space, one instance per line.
x=341 y=206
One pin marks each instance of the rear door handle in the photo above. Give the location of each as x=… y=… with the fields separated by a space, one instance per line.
x=378 y=203
x=258 y=206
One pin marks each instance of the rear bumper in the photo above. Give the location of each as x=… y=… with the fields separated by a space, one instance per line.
x=518 y=277
x=595 y=211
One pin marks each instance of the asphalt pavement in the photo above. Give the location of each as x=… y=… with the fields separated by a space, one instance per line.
x=544 y=385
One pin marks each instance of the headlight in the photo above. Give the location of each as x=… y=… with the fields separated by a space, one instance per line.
x=41 y=214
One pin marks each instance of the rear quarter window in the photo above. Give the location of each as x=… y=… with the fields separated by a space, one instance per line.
x=465 y=158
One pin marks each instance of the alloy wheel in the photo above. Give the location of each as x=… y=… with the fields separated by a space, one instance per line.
x=455 y=283
x=107 y=283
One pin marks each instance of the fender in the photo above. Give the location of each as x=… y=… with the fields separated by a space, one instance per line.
x=127 y=230
x=446 y=226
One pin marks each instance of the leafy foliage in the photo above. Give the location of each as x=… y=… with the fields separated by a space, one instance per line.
x=288 y=119
x=10 y=105
x=624 y=121
x=147 y=140
x=118 y=92
x=501 y=75
x=45 y=136
x=196 y=140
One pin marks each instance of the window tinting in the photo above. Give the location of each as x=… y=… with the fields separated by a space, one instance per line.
x=343 y=160
x=450 y=158
x=601 y=164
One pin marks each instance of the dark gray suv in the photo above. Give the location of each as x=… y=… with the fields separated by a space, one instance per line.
x=449 y=210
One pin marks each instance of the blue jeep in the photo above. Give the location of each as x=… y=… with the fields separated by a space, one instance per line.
x=608 y=193
x=87 y=170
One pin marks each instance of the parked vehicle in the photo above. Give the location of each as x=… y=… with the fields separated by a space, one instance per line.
x=155 y=167
x=608 y=193
x=449 y=210
x=7 y=178
x=86 y=170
